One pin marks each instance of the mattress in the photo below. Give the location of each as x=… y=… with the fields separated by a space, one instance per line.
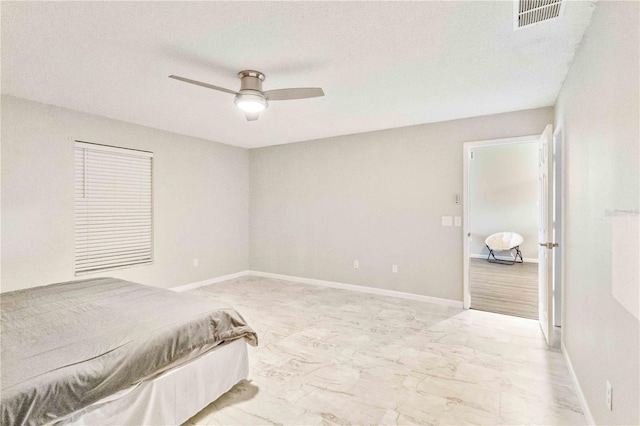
x=174 y=396
x=66 y=346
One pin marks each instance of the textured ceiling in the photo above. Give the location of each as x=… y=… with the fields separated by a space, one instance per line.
x=381 y=64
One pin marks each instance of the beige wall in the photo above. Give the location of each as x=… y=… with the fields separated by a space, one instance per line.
x=200 y=198
x=503 y=195
x=376 y=197
x=598 y=113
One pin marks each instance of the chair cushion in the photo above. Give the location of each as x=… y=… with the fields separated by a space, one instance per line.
x=504 y=240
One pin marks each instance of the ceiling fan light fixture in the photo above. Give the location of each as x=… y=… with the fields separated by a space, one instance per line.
x=251 y=102
x=251 y=99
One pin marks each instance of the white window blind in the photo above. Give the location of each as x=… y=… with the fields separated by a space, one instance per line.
x=113 y=207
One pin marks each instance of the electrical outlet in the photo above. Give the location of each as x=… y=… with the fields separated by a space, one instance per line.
x=609 y=396
x=356 y=264
x=394 y=269
x=195 y=262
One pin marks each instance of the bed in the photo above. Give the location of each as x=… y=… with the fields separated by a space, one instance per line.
x=108 y=351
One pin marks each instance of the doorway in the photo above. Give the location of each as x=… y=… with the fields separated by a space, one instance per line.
x=513 y=186
x=502 y=198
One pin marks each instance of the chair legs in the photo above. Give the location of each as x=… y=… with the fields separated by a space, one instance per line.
x=505 y=262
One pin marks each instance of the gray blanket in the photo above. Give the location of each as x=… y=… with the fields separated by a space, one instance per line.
x=68 y=345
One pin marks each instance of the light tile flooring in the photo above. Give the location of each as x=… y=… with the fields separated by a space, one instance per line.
x=330 y=356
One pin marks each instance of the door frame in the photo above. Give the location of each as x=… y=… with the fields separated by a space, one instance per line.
x=558 y=138
x=466 y=152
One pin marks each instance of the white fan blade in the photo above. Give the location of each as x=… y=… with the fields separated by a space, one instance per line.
x=289 y=94
x=251 y=116
x=199 y=83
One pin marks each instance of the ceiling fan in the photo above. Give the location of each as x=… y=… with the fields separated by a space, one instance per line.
x=251 y=99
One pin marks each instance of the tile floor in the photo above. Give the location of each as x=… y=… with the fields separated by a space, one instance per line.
x=339 y=357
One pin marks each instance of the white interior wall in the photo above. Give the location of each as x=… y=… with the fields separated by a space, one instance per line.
x=503 y=195
x=200 y=195
x=599 y=115
x=392 y=185
x=375 y=197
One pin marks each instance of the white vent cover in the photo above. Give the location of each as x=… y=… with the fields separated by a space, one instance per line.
x=531 y=12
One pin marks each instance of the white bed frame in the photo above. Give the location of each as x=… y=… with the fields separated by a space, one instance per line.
x=174 y=396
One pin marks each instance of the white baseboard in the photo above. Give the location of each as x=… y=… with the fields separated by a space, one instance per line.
x=332 y=284
x=484 y=256
x=191 y=286
x=576 y=384
x=360 y=288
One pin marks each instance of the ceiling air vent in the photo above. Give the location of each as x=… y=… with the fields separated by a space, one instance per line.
x=531 y=12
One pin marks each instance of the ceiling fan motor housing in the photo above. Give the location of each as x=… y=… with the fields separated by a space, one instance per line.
x=251 y=88
x=251 y=80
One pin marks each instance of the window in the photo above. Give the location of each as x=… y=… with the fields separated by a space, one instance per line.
x=113 y=207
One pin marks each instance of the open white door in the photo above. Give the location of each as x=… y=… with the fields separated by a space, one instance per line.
x=545 y=234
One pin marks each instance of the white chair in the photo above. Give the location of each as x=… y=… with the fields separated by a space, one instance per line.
x=504 y=241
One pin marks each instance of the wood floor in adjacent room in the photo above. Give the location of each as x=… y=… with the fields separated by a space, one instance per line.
x=338 y=357
x=504 y=289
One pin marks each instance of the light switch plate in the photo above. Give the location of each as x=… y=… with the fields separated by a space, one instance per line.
x=447 y=221
x=457 y=221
